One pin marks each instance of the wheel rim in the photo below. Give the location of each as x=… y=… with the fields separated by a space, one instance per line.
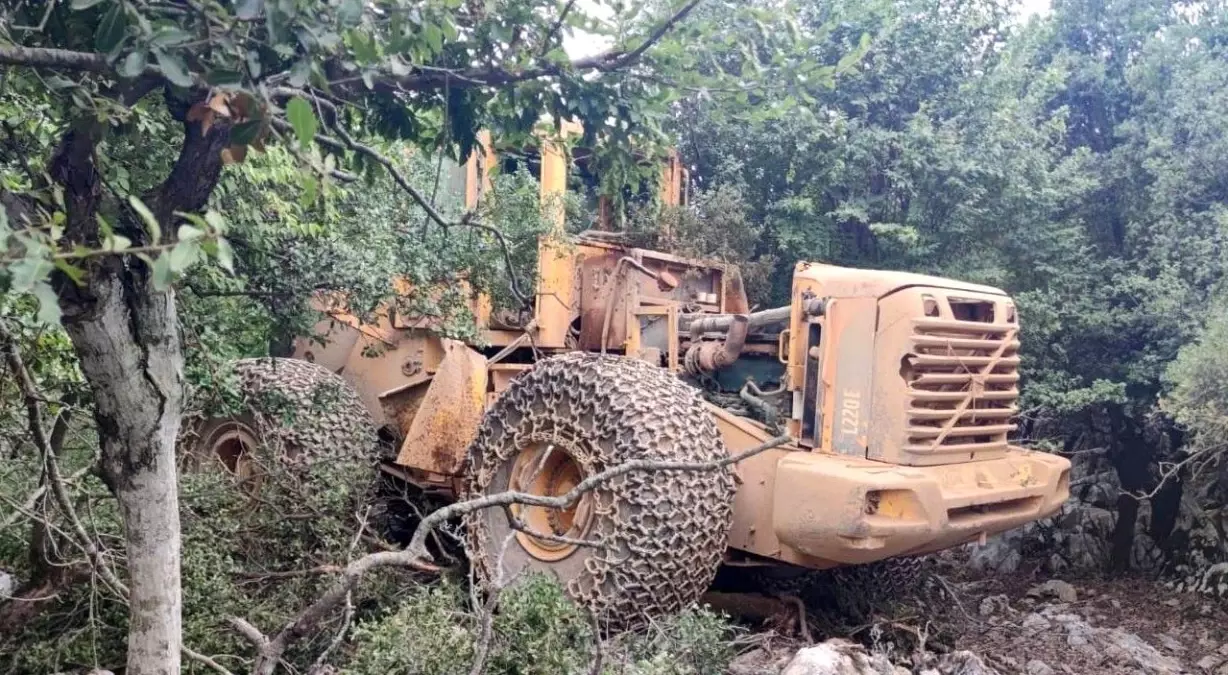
x=232 y=445
x=549 y=470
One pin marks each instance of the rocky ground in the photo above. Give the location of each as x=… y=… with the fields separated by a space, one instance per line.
x=1032 y=623
x=1036 y=601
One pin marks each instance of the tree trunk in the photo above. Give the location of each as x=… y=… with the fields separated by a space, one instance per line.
x=128 y=345
x=126 y=336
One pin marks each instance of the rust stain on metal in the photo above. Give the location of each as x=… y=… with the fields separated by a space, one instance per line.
x=449 y=413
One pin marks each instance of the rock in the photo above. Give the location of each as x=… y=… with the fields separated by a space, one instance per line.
x=1170 y=643
x=1208 y=663
x=760 y=661
x=1035 y=667
x=837 y=657
x=1055 y=588
x=1001 y=554
x=1172 y=602
x=1035 y=623
x=1130 y=649
x=8 y=584
x=1124 y=651
x=1094 y=480
x=1214 y=581
x=994 y=604
x=964 y=663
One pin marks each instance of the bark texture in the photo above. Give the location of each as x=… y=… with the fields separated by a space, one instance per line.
x=128 y=346
x=125 y=333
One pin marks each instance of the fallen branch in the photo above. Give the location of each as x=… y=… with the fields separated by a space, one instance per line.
x=416 y=555
x=30 y=502
x=34 y=415
x=57 y=484
x=417 y=545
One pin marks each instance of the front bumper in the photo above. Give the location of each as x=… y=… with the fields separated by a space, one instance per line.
x=850 y=511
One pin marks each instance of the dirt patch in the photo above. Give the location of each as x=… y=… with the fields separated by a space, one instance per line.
x=1112 y=626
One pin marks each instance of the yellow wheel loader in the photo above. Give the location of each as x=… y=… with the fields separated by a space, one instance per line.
x=896 y=393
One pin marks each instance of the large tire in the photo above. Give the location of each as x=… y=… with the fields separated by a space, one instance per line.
x=300 y=410
x=661 y=534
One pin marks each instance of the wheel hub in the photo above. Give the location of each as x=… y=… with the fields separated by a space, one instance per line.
x=233 y=445
x=549 y=470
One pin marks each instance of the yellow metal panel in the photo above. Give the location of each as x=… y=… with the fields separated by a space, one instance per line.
x=449 y=414
x=477 y=183
x=556 y=288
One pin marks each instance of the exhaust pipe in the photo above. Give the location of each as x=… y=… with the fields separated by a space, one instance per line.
x=709 y=357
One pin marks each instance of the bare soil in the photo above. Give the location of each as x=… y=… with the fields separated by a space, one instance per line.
x=1187 y=627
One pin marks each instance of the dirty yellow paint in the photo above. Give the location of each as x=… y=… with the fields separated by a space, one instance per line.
x=449 y=414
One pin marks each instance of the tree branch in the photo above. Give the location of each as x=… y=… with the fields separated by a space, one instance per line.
x=417 y=544
x=426 y=77
x=48 y=57
x=348 y=142
x=55 y=481
x=554 y=29
x=416 y=556
x=653 y=38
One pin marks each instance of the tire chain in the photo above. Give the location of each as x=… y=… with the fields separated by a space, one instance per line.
x=660 y=535
x=326 y=419
x=853 y=589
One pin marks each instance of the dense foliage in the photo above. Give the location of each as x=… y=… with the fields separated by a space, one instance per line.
x=1077 y=159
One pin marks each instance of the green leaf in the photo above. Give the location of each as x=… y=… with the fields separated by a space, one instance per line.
x=28 y=272
x=220 y=77
x=117 y=243
x=225 y=255
x=169 y=37
x=248 y=9
x=184 y=255
x=303 y=119
x=48 y=304
x=70 y=270
x=112 y=29
x=133 y=64
x=147 y=216
x=58 y=82
x=162 y=272
x=350 y=12
x=174 y=67
x=363 y=46
x=299 y=73
x=215 y=221
x=79 y=5
x=310 y=190
x=253 y=62
x=190 y=233
x=433 y=37
x=244 y=133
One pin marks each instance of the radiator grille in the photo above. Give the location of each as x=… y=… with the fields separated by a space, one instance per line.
x=962 y=380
